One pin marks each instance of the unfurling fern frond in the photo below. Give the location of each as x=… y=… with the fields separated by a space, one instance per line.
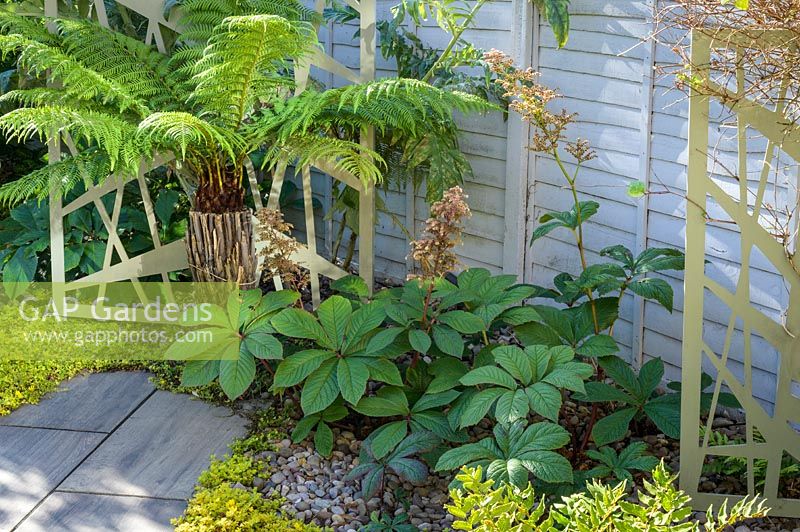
x=243 y=55
x=78 y=81
x=139 y=68
x=361 y=162
x=90 y=166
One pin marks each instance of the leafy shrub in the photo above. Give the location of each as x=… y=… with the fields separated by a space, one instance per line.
x=620 y=465
x=231 y=469
x=227 y=509
x=514 y=453
x=528 y=380
x=372 y=470
x=637 y=396
x=424 y=415
x=252 y=326
x=349 y=350
x=592 y=297
x=478 y=505
x=25 y=236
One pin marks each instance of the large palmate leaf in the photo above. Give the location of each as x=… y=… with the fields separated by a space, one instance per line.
x=515 y=452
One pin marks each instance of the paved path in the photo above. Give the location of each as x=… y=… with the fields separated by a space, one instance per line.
x=107 y=453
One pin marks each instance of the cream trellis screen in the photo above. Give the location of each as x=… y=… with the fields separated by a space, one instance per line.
x=171 y=257
x=745 y=207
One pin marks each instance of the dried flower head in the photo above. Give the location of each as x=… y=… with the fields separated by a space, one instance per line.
x=280 y=246
x=581 y=150
x=530 y=99
x=434 y=251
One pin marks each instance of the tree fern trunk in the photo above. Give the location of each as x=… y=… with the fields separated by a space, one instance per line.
x=221 y=248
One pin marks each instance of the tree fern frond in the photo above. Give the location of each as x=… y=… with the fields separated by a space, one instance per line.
x=139 y=68
x=30 y=27
x=41 y=97
x=363 y=163
x=108 y=132
x=245 y=52
x=184 y=133
x=78 y=81
x=90 y=166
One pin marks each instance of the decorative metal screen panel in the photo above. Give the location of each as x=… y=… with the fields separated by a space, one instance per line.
x=752 y=333
x=163 y=259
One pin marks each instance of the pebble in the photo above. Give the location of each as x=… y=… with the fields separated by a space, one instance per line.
x=317 y=491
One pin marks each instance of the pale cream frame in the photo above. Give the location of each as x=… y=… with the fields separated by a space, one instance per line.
x=779 y=435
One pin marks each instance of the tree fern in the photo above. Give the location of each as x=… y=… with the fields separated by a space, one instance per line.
x=137 y=68
x=245 y=55
x=103 y=130
x=186 y=133
x=78 y=81
x=91 y=166
x=224 y=92
x=362 y=162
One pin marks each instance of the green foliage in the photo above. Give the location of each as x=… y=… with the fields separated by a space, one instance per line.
x=227 y=509
x=319 y=422
x=725 y=399
x=528 y=380
x=25 y=236
x=231 y=469
x=620 y=465
x=386 y=523
x=514 y=453
x=258 y=343
x=372 y=470
x=557 y=14
x=427 y=310
x=736 y=466
x=350 y=350
x=478 y=505
x=637 y=396
x=425 y=415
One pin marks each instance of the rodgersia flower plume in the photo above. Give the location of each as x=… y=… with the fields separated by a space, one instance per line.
x=434 y=251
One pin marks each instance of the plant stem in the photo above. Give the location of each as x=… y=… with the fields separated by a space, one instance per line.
x=455 y=37
x=351 y=249
x=578 y=231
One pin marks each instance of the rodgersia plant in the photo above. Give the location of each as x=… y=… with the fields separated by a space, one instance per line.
x=592 y=298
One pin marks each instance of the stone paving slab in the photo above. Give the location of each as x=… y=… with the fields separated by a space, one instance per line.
x=33 y=462
x=97 y=402
x=160 y=450
x=84 y=512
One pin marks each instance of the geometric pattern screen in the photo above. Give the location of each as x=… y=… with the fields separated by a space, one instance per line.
x=752 y=334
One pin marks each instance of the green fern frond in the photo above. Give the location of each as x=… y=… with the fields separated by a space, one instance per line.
x=137 y=67
x=184 y=133
x=244 y=54
x=30 y=27
x=41 y=97
x=91 y=166
x=78 y=81
x=108 y=132
x=363 y=163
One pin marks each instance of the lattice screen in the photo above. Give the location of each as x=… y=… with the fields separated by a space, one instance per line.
x=771 y=430
x=163 y=259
